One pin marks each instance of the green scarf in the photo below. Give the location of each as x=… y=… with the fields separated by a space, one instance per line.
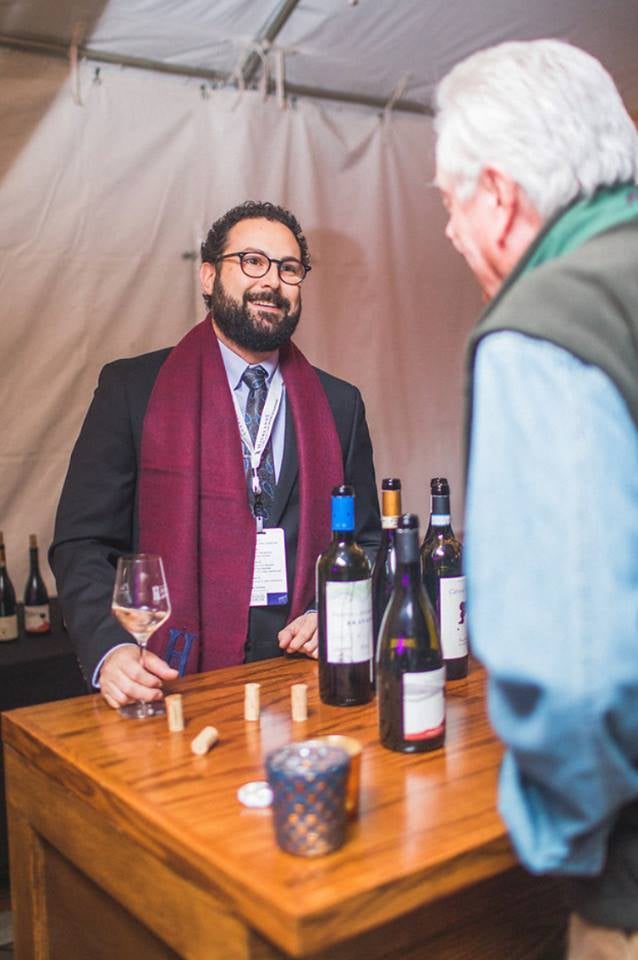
x=607 y=208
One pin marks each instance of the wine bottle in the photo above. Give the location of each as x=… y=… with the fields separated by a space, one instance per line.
x=37 y=613
x=439 y=486
x=385 y=562
x=344 y=610
x=410 y=671
x=442 y=562
x=8 y=608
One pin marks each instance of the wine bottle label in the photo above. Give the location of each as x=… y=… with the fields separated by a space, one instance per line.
x=349 y=621
x=423 y=704
x=9 y=627
x=389 y=523
x=440 y=519
x=37 y=619
x=453 y=619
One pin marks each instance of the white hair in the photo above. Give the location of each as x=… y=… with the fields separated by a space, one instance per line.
x=543 y=112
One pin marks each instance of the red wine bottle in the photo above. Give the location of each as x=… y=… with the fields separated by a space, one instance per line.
x=37 y=613
x=442 y=561
x=344 y=610
x=385 y=561
x=410 y=671
x=8 y=607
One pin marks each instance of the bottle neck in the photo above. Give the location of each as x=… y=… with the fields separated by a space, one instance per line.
x=440 y=520
x=3 y=558
x=441 y=525
x=343 y=536
x=408 y=570
x=33 y=559
x=342 y=517
x=440 y=505
x=408 y=576
x=390 y=509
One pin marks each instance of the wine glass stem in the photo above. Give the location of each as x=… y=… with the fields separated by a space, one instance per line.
x=142 y=704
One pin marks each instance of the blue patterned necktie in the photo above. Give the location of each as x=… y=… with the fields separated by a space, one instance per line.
x=255 y=380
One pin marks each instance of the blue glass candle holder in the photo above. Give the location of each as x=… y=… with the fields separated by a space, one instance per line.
x=308 y=781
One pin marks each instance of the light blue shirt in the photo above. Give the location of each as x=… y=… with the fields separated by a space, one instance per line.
x=235 y=368
x=552 y=567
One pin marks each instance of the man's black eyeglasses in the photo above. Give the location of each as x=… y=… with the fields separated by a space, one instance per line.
x=255 y=265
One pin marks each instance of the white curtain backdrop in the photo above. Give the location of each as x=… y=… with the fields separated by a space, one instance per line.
x=103 y=206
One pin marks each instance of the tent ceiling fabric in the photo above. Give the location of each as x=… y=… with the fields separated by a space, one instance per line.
x=369 y=50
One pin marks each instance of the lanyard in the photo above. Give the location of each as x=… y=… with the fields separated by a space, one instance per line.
x=266 y=423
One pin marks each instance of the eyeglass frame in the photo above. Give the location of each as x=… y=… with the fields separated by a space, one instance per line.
x=246 y=253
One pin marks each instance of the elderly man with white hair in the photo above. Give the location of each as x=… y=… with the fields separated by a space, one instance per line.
x=537 y=162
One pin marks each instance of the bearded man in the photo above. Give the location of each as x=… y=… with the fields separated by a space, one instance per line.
x=214 y=454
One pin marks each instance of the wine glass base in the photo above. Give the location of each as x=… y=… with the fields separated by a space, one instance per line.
x=141 y=711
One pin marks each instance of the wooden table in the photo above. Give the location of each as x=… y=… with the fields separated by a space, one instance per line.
x=126 y=845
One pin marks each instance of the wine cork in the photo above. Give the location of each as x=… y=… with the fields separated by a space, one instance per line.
x=251 y=701
x=204 y=740
x=299 y=702
x=174 y=712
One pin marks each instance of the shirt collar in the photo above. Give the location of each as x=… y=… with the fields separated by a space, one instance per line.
x=236 y=365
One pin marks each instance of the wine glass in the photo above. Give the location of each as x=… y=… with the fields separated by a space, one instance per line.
x=141 y=604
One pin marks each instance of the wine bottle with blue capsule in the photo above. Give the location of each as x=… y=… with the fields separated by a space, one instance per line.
x=410 y=671
x=344 y=610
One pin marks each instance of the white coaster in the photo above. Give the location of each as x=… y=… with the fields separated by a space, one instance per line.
x=257 y=793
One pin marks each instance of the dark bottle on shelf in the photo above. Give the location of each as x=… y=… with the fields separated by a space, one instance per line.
x=410 y=671
x=8 y=607
x=37 y=613
x=385 y=561
x=442 y=562
x=344 y=610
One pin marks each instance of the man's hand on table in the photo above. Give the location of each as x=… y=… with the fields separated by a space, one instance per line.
x=123 y=680
x=300 y=636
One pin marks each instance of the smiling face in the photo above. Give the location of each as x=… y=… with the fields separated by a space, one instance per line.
x=256 y=315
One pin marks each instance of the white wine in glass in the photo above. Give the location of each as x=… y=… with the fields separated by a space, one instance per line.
x=141 y=604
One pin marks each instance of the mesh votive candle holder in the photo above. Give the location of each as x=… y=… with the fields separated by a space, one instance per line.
x=308 y=781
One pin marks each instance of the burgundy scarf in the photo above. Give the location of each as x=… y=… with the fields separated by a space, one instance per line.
x=193 y=503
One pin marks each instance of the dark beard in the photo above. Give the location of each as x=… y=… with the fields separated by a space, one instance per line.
x=236 y=323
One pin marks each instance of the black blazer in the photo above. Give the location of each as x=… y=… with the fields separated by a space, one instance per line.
x=97 y=517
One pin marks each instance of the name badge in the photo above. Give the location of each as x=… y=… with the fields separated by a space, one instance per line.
x=270 y=584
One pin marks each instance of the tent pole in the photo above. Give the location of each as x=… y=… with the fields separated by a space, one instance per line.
x=268 y=33
x=46 y=46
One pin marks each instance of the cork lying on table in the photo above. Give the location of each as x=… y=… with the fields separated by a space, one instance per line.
x=204 y=740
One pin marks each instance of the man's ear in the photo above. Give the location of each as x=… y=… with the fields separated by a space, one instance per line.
x=505 y=198
x=207 y=273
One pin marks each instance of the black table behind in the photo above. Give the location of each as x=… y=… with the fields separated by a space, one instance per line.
x=34 y=669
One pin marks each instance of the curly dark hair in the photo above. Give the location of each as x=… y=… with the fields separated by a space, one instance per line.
x=213 y=246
